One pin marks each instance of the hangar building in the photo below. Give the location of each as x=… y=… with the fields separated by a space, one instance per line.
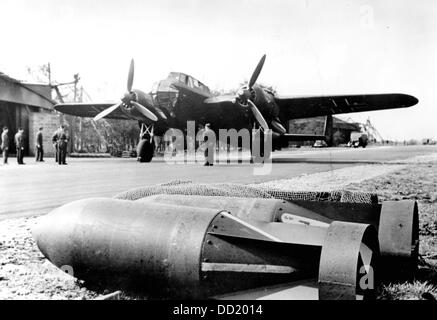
x=28 y=106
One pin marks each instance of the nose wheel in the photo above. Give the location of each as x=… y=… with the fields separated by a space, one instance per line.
x=146 y=146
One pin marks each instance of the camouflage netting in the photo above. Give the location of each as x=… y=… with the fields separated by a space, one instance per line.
x=244 y=191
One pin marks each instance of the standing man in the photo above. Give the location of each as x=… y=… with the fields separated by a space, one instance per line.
x=19 y=143
x=5 y=145
x=60 y=139
x=55 y=139
x=39 y=146
x=209 y=144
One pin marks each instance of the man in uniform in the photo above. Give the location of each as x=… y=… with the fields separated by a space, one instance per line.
x=39 y=146
x=55 y=139
x=5 y=145
x=209 y=145
x=19 y=143
x=62 y=147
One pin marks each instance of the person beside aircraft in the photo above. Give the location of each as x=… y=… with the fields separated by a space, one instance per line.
x=59 y=141
x=39 y=146
x=19 y=143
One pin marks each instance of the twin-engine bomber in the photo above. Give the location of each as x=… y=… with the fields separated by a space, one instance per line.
x=181 y=98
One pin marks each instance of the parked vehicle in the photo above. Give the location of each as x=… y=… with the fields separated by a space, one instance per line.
x=358 y=139
x=320 y=144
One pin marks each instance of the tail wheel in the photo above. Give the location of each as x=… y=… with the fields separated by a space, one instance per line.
x=145 y=150
x=348 y=261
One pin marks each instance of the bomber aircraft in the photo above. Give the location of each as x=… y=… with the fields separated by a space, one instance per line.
x=180 y=98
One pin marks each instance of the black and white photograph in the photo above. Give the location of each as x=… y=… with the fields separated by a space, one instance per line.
x=211 y=151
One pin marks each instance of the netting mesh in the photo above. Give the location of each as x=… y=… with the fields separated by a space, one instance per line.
x=244 y=191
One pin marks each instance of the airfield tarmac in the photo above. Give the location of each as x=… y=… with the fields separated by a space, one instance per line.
x=36 y=188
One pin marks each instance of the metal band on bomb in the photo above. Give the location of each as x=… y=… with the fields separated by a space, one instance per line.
x=348 y=262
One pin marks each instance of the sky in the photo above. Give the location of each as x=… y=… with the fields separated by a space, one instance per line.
x=313 y=48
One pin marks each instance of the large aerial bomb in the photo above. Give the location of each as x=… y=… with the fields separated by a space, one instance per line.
x=170 y=246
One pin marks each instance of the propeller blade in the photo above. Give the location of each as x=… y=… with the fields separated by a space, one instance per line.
x=161 y=113
x=146 y=112
x=257 y=71
x=258 y=115
x=219 y=99
x=107 y=111
x=276 y=124
x=130 y=77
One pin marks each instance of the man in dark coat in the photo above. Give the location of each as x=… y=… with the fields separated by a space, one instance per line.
x=60 y=140
x=62 y=146
x=19 y=144
x=5 y=145
x=39 y=146
x=55 y=139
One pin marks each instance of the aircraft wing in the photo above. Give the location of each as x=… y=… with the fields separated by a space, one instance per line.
x=89 y=110
x=313 y=106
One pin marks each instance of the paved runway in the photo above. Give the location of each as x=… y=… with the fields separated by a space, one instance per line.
x=38 y=188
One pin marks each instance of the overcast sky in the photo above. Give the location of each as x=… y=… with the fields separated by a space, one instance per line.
x=312 y=47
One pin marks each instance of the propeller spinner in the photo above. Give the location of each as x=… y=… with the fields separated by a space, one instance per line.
x=130 y=100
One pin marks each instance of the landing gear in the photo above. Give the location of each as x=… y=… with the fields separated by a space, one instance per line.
x=146 y=146
x=257 y=144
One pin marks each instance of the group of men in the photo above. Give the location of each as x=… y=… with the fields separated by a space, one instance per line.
x=19 y=143
x=59 y=140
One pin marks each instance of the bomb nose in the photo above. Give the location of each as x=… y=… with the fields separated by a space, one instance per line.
x=47 y=233
x=53 y=232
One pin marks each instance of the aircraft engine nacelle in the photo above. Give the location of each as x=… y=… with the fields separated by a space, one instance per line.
x=138 y=96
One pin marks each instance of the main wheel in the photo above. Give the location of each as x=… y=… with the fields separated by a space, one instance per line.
x=145 y=150
x=257 y=148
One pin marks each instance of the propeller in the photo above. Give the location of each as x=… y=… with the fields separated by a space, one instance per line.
x=129 y=100
x=246 y=92
x=246 y=95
